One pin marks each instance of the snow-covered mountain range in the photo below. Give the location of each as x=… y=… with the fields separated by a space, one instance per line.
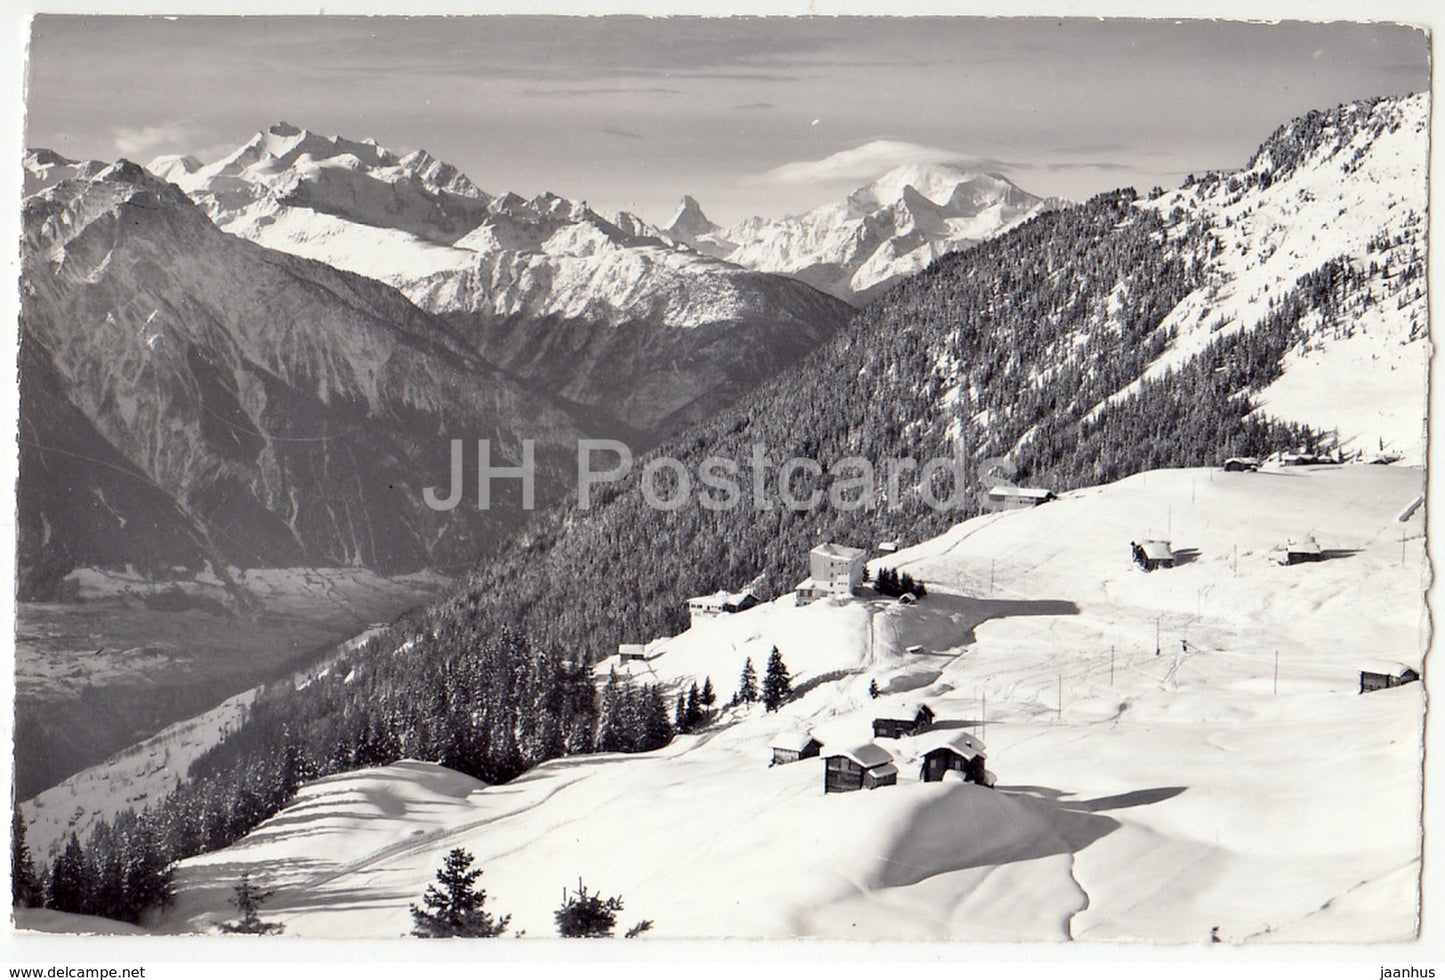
x=606 y=312
x=189 y=398
x=883 y=232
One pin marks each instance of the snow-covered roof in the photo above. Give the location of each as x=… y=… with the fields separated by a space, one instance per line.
x=631 y=649
x=902 y=710
x=889 y=546
x=1031 y=493
x=792 y=741
x=1307 y=547
x=960 y=742
x=887 y=769
x=1391 y=668
x=1156 y=550
x=1242 y=460
x=830 y=550
x=868 y=755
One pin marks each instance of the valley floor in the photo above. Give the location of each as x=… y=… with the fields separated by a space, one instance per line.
x=131 y=656
x=1157 y=779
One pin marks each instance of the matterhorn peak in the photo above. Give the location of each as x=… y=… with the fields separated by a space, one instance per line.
x=689 y=221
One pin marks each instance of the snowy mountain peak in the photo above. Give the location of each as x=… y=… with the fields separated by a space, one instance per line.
x=936 y=182
x=884 y=231
x=689 y=220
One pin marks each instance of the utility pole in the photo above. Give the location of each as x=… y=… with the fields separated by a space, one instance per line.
x=1276 y=672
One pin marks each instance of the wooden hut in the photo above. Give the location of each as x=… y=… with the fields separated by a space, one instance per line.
x=958 y=752
x=1152 y=554
x=792 y=746
x=1378 y=676
x=865 y=767
x=1297 y=552
x=906 y=720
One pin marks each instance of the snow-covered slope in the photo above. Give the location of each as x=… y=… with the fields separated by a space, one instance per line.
x=606 y=312
x=1345 y=184
x=1160 y=773
x=885 y=231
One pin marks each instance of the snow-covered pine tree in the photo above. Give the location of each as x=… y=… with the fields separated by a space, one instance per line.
x=777 y=685
x=247 y=898
x=455 y=909
x=748 y=683
x=24 y=880
x=70 y=880
x=586 y=916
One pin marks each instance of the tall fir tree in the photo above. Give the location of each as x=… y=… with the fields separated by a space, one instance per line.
x=70 y=880
x=455 y=909
x=777 y=685
x=24 y=879
x=748 y=683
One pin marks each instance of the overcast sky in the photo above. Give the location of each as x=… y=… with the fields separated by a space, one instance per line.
x=765 y=116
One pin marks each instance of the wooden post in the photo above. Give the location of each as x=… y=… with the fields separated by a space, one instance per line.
x=1276 y=672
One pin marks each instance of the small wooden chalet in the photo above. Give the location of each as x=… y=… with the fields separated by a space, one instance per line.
x=720 y=603
x=1239 y=464
x=1296 y=552
x=631 y=651
x=866 y=767
x=1152 y=554
x=1019 y=498
x=957 y=752
x=905 y=720
x=792 y=746
x=1378 y=676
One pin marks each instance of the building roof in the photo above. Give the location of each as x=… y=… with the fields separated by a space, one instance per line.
x=902 y=710
x=830 y=550
x=1156 y=550
x=1032 y=493
x=868 y=755
x=959 y=742
x=887 y=769
x=1307 y=547
x=792 y=741
x=631 y=649
x=1391 y=668
x=1243 y=460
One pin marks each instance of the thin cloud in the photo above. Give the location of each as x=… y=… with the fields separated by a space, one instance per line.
x=754 y=105
x=139 y=140
x=624 y=133
x=868 y=161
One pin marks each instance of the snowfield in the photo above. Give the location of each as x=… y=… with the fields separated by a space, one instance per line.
x=1152 y=784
